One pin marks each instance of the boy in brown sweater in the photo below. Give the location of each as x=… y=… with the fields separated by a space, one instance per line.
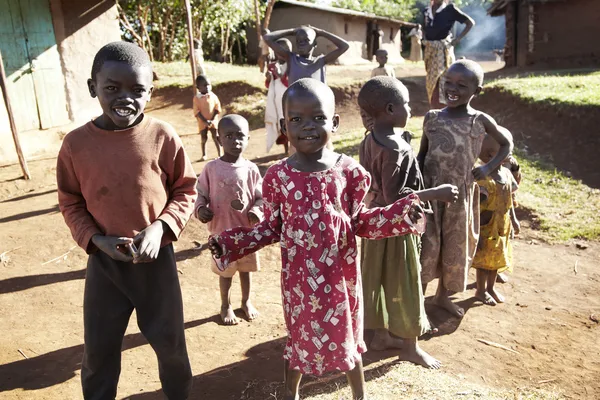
x=124 y=179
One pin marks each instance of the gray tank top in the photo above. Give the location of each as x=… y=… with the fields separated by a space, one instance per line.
x=300 y=67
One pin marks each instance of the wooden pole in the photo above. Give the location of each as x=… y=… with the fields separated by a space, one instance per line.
x=11 y=120
x=188 y=11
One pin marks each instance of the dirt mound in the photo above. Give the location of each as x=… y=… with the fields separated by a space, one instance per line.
x=566 y=136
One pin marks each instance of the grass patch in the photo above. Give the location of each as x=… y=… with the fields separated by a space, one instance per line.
x=178 y=73
x=572 y=90
x=562 y=208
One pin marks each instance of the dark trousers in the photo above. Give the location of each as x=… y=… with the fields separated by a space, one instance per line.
x=113 y=289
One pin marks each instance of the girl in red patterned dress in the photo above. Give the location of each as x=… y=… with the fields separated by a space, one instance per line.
x=313 y=206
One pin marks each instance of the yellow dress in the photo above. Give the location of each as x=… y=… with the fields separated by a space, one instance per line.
x=494 y=250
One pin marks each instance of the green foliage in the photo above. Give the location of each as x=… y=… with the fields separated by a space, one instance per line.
x=400 y=9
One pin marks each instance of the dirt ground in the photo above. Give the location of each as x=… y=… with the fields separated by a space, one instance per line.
x=550 y=320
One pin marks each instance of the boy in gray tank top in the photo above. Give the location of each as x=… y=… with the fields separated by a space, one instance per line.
x=303 y=64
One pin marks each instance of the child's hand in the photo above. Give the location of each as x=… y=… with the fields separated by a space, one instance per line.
x=516 y=227
x=205 y=214
x=447 y=193
x=253 y=218
x=148 y=242
x=215 y=248
x=113 y=246
x=415 y=213
x=209 y=123
x=481 y=172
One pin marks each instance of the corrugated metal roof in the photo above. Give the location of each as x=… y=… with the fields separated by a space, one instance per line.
x=342 y=11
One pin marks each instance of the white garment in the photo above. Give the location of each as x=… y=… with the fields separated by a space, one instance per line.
x=429 y=11
x=274 y=109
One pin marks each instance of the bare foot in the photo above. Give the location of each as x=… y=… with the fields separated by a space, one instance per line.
x=448 y=305
x=486 y=298
x=249 y=310
x=501 y=278
x=418 y=356
x=383 y=341
x=432 y=328
x=203 y=158
x=228 y=316
x=497 y=296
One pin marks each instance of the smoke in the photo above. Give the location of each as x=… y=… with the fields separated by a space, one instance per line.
x=488 y=34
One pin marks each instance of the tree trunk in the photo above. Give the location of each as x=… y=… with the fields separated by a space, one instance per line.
x=257 y=15
x=143 y=17
x=125 y=22
x=268 y=13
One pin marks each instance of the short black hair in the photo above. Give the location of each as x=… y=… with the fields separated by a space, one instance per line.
x=202 y=78
x=381 y=51
x=472 y=67
x=313 y=86
x=197 y=43
x=130 y=53
x=380 y=91
x=237 y=120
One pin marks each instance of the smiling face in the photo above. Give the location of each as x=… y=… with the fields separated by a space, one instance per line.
x=309 y=120
x=123 y=91
x=233 y=135
x=460 y=85
x=305 y=41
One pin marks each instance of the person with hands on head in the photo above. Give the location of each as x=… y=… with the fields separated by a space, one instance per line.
x=229 y=196
x=123 y=179
x=304 y=64
x=313 y=205
x=449 y=149
x=391 y=271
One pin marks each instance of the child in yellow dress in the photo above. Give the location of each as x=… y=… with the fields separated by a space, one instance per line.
x=494 y=250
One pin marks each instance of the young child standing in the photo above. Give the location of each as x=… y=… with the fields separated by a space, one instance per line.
x=494 y=250
x=381 y=56
x=391 y=272
x=274 y=109
x=230 y=195
x=207 y=107
x=304 y=64
x=314 y=207
x=450 y=147
x=123 y=179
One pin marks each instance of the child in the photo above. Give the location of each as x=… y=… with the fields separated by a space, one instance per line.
x=450 y=146
x=494 y=251
x=277 y=68
x=391 y=270
x=207 y=108
x=265 y=51
x=381 y=56
x=230 y=195
x=274 y=110
x=123 y=179
x=314 y=207
x=304 y=64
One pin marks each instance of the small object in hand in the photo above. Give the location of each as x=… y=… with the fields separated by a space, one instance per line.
x=132 y=249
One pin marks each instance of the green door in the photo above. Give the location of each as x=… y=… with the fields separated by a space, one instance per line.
x=35 y=81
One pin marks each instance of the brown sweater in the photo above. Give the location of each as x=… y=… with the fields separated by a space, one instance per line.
x=117 y=183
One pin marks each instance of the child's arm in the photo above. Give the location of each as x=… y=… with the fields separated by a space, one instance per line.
x=446 y=193
x=341 y=44
x=255 y=214
x=271 y=41
x=514 y=221
x=201 y=209
x=396 y=219
x=424 y=146
x=504 y=139
x=236 y=243
x=217 y=109
x=197 y=112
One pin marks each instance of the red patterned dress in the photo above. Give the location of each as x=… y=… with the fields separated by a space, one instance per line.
x=315 y=217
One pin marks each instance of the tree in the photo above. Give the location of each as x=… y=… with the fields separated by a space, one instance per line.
x=400 y=9
x=268 y=12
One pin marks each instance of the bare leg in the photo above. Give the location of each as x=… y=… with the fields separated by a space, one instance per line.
x=383 y=340
x=356 y=380
x=413 y=353
x=481 y=293
x=291 y=383
x=502 y=278
x=213 y=132
x=246 y=283
x=442 y=299
x=227 y=314
x=492 y=275
x=203 y=140
x=433 y=329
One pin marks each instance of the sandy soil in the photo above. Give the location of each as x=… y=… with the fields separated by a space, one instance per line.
x=550 y=319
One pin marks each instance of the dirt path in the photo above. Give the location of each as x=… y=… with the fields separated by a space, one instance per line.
x=547 y=319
